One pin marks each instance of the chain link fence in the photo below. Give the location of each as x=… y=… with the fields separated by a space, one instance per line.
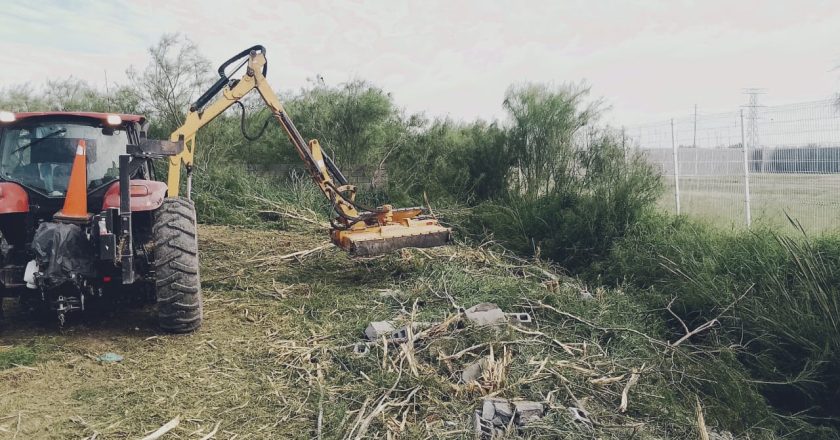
x=755 y=165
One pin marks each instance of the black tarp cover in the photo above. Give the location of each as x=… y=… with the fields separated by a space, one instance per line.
x=62 y=250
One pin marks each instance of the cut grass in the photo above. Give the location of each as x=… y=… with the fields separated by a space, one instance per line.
x=275 y=360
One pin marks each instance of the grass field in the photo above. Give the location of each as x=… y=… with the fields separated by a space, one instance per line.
x=812 y=199
x=274 y=357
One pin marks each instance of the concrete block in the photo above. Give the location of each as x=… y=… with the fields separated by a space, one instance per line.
x=485 y=314
x=377 y=329
x=496 y=414
x=527 y=411
x=497 y=411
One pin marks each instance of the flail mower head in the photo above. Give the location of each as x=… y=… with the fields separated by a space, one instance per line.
x=386 y=229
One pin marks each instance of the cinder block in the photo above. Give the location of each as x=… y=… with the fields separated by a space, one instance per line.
x=377 y=329
x=485 y=314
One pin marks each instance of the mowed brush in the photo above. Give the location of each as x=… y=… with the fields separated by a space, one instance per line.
x=278 y=357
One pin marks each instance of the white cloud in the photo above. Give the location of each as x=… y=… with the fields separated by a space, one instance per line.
x=650 y=59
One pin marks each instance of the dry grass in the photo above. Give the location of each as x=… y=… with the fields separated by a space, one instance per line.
x=275 y=356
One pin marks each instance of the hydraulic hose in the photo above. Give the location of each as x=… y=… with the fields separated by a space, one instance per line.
x=242 y=124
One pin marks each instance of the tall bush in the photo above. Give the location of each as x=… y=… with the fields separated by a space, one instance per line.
x=448 y=160
x=544 y=121
x=775 y=296
x=573 y=189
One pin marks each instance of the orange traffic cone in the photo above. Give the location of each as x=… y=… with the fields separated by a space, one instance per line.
x=75 y=201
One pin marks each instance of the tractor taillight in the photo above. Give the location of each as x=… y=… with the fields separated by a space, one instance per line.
x=7 y=117
x=138 y=190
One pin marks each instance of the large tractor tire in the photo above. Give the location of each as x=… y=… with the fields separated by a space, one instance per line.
x=178 y=286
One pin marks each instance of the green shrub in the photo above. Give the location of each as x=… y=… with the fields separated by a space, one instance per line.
x=451 y=161
x=601 y=196
x=784 y=290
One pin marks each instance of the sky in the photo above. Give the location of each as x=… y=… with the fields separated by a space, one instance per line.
x=648 y=59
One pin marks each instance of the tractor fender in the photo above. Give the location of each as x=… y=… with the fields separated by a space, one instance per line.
x=146 y=195
x=13 y=198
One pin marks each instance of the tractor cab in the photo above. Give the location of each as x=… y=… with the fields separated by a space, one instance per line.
x=38 y=154
x=37 y=151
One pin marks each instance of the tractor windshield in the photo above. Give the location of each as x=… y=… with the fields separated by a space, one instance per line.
x=39 y=154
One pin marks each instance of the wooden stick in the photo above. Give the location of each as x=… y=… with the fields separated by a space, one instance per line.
x=359 y=417
x=383 y=405
x=701 y=421
x=266 y=213
x=287 y=213
x=304 y=253
x=212 y=433
x=17 y=427
x=710 y=324
x=634 y=378
x=602 y=381
x=164 y=429
x=24 y=367
x=462 y=352
x=697 y=330
x=565 y=347
x=668 y=308
x=598 y=327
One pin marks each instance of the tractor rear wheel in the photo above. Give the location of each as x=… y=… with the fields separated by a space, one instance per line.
x=177 y=282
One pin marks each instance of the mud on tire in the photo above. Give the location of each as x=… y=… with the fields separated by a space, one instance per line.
x=177 y=282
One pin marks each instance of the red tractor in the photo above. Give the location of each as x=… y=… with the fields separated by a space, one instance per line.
x=82 y=217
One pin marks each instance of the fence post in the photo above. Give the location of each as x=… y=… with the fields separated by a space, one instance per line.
x=747 y=214
x=676 y=169
x=694 y=139
x=694 y=145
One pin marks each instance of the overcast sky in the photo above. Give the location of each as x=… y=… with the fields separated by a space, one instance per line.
x=649 y=59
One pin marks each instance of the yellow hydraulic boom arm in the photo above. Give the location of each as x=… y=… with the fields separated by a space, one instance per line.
x=360 y=231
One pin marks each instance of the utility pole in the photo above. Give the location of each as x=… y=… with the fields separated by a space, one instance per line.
x=752 y=135
x=676 y=169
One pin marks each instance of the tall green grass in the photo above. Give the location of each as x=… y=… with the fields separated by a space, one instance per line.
x=231 y=195
x=776 y=297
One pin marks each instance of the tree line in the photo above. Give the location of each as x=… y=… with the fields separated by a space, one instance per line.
x=527 y=176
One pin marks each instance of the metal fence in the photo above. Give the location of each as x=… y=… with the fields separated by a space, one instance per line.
x=757 y=164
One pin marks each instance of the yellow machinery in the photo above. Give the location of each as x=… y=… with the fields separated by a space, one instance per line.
x=362 y=232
